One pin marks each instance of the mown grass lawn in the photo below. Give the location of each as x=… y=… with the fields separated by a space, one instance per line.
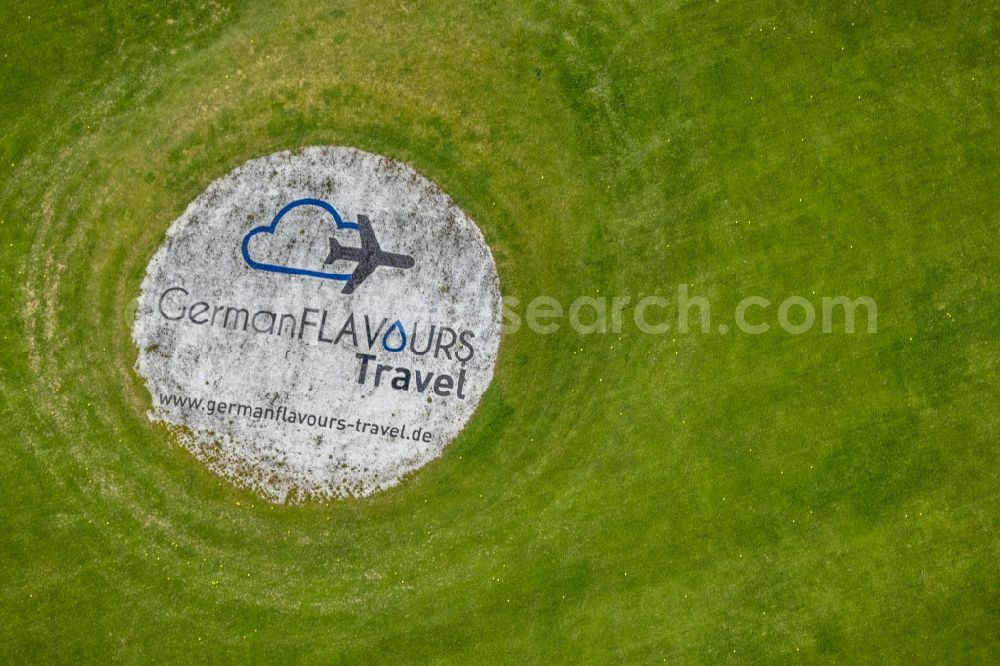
x=616 y=498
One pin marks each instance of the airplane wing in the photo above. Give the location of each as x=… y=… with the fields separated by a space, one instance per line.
x=361 y=272
x=368 y=241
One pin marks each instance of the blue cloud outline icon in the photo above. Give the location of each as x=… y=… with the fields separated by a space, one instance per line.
x=270 y=229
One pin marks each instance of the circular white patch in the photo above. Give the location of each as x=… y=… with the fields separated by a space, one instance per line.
x=319 y=323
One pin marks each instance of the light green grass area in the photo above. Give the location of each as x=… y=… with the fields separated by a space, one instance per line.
x=616 y=498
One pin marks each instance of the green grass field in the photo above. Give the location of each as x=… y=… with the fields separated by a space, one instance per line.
x=629 y=498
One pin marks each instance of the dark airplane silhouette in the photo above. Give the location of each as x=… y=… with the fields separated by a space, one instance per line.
x=368 y=257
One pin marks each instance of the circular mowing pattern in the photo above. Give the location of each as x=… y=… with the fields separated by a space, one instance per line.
x=318 y=323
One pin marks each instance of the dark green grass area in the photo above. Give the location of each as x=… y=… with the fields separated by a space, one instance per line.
x=616 y=498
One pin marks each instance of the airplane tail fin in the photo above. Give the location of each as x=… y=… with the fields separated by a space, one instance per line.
x=336 y=251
